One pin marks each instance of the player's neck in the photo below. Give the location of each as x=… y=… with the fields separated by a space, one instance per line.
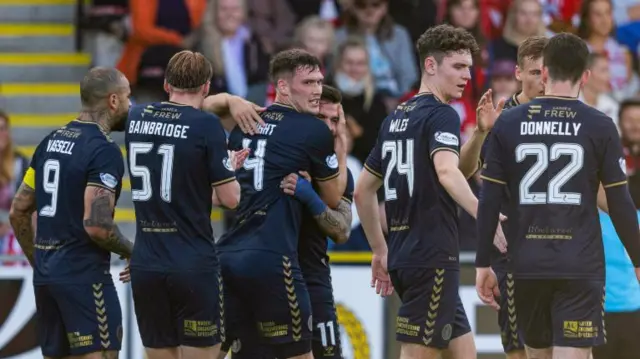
x=284 y=101
x=194 y=101
x=429 y=88
x=562 y=89
x=99 y=117
x=522 y=98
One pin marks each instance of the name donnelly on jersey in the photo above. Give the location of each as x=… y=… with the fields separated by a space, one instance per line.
x=59 y=146
x=158 y=129
x=556 y=128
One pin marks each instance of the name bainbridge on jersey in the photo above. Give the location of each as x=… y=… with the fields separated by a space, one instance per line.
x=158 y=129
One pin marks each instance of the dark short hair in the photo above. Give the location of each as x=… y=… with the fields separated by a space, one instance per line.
x=531 y=49
x=98 y=84
x=625 y=104
x=188 y=71
x=441 y=40
x=287 y=62
x=566 y=57
x=330 y=94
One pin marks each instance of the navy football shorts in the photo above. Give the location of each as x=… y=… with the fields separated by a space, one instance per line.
x=561 y=312
x=326 y=332
x=507 y=318
x=431 y=313
x=266 y=291
x=175 y=309
x=78 y=319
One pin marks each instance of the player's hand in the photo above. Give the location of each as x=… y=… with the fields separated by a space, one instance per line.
x=237 y=157
x=341 y=139
x=487 y=287
x=125 y=275
x=246 y=114
x=487 y=113
x=289 y=184
x=305 y=175
x=499 y=240
x=380 y=279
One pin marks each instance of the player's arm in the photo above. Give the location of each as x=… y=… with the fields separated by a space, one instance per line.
x=226 y=190
x=99 y=206
x=21 y=214
x=614 y=180
x=602 y=199
x=325 y=165
x=366 y=198
x=234 y=110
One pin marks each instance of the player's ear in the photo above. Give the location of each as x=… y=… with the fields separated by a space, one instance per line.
x=166 y=87
x=545 y=74
x=430 y=65
x=114 y=101
x=283 y=87
x=518 y=73
x=585 y=77
x=206 y=88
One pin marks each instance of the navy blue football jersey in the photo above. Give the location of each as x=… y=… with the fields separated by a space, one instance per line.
x=551 y=154
x=290 y=141
x=312 y=248
x=499 y=261
x=421 y=215
x=63 y=165
x=176 y=154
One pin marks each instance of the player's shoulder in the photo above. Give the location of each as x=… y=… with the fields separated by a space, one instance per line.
x=303 y=125
x=422 y=105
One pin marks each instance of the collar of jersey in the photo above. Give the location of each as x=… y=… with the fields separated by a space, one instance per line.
x=558 y=97
x=283 y=106
x=428 y=93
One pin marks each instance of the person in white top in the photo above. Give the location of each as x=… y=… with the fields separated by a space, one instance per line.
x=596 y=91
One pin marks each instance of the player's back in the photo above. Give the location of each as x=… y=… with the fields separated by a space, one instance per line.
x=421 y=215
x=64 y=163
x=552 y=153
x=266 y=218
x=174 y=161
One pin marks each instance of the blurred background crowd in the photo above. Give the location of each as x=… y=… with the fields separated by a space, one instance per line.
x=367 y=50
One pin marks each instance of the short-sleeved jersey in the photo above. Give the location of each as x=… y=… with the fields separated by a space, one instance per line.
x=312 y=247
x=421 y=215
x=68 y=160
x=552 y=154
x=267 y=218
x=499 y=261
x=176 y=154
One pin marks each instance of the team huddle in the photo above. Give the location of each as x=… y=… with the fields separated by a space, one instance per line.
x=263 y=290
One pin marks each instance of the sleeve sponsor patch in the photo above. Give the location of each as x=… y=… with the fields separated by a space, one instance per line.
x=108 y=180
x=447 y=138
x=332 y=161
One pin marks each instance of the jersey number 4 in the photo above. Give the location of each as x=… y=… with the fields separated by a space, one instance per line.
x=136 y=170
x=395 y=150
x=543 y=156
x=256 y=163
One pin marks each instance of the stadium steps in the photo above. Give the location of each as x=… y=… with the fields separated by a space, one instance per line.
x=39 y=80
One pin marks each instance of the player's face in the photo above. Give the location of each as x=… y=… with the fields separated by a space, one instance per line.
x=600 y=18
x=304 y=90
x=531 y=77
x=453 y=73
x=600 y=77
x=330 y=115
x=120 y=104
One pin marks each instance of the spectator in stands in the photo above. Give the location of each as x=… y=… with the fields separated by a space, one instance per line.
x=626 y=15
x=524 y=20
x=105 y=23
x=503 y=79
x=159 y=30
x=596 y=91
x=273 y=21
x=240 y=63
x=328 y=10
x=316 y=36
x=391 y=56
x=596 y=28
x=364 y=108
x=415 y=16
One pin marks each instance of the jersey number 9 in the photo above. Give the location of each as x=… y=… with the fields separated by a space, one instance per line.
x=544 y=155
x=50 y=183
x=136 y=170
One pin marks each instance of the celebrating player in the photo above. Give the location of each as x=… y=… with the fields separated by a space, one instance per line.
x=318 y=222
x=420 y=200
x=551 y=155
x=264 y=288
x=178 y=161
x=74 y=182
x=529 y=72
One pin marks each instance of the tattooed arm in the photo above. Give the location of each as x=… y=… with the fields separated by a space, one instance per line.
x=99 y=204
x=20 y=216
x=336 y=223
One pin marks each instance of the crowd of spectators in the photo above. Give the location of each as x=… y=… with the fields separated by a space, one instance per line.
x=367 y=51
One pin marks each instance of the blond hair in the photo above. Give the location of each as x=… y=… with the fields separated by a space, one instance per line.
x=211 y=44
x=356 y=42
x=510 y=32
